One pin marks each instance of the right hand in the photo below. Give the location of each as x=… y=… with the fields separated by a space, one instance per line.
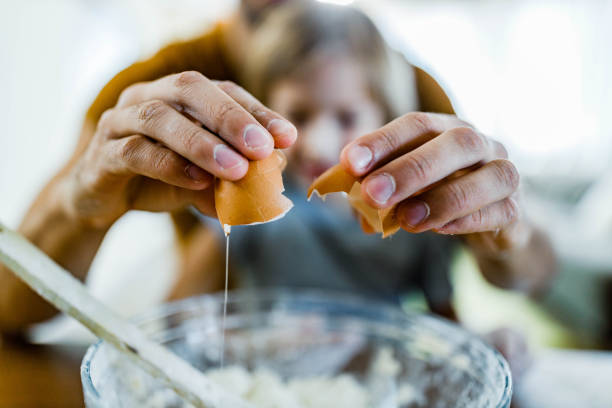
x=151 y=152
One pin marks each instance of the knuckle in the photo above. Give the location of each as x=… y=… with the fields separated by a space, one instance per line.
x=456 y=197
x=127 y=95
x=479 y=217
x=164 y=162
x=229 y=86
x=104 y=123
x=129 y=149
x=506 y=173
x=422 y=121
x=187 y=79
x=511 y=211
x=192 y=140
x=419 y=167
x=149 y=112
x=387 y=140
x=469 y=140
x=224 y=110
x=248 y=101
x=252 y=105
x=500 y=150
x=186 y=82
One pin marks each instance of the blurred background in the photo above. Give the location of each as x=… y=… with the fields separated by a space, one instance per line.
x=535 y=74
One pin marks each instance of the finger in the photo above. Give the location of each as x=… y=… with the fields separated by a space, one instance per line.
x=514 y=235
x=498 y=150
x=459 y=197
x=154 y=195
x=397 y=137
x=161 y=122
x=283 y=131
x=490 y=218
x=138 y=155
x=192 y=93
x=453 y=150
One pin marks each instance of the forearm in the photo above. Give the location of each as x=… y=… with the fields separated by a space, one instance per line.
x=529 y=264
x=53 y=227
x=49 y=226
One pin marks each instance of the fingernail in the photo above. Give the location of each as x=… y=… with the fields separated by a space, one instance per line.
x=413 y=213
x=255 y=137
x=381 y=187
x=196 y=173
x=281 y=127
x=226 y=157
x=359 y=156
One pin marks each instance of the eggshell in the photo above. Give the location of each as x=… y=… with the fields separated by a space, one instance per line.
x=257 y=197
x=336 y=180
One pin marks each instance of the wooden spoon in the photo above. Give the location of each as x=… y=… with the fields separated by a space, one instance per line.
x=69 y=295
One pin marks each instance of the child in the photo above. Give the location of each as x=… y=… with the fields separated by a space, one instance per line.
x=327 y=70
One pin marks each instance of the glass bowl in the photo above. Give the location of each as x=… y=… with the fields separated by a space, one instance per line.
x=344 y=345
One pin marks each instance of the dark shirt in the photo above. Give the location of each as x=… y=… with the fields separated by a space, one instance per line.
x=318 y=246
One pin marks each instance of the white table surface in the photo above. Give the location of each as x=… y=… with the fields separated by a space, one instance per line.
x=567 y=379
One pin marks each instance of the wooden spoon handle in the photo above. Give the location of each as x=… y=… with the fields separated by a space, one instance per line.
x=69 y=295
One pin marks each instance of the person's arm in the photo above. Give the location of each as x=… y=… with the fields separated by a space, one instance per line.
x=518 y=257
x=149 y=151
x=49 y=224
x=69 y=243
x=447 y=177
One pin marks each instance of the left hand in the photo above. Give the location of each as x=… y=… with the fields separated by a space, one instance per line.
x=445 y=175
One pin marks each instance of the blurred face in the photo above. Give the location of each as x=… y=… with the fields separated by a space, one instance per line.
x=330 y=104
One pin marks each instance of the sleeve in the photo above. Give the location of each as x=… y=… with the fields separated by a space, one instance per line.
x=432 y=97
x=429 y=94
x=203 y=54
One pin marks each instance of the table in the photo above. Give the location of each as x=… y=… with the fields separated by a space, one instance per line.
x=40 y=376
x=566 y=379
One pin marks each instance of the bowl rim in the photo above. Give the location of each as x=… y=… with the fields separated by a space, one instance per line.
x=320 y=295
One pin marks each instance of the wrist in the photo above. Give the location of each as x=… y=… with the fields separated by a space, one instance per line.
x=501 y=243
x=78 y=209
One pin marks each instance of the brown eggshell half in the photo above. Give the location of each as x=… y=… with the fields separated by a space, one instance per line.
x=257 y=197
x=336 y=180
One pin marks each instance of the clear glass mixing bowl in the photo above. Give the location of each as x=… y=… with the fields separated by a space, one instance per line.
x=400 y=360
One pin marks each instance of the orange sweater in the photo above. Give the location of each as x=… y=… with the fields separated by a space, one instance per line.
x=206 y=54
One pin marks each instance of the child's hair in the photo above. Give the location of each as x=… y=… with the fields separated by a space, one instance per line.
x=295 y=32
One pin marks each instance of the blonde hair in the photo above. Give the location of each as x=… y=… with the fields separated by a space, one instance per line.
x=291 y=35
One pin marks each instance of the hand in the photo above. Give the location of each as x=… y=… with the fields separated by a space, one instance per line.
x=151 y=152
x=513 y=345
x=444 y=175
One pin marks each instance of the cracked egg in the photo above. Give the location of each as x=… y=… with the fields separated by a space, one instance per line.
x=336 y=180
x=257 y=197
